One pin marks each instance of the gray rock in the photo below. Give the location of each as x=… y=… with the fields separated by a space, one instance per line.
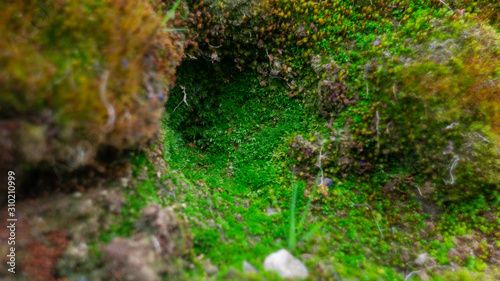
x=124 y=182
x=271 y=211
x=76 y=254
x=286 y=265
x=166 y=228
x=254 y=239
x=132 y=259
x=421 y=259
x=248 y=268
x=376 y=42
x=306 y=257
x=85 y=207
x=209 y=268
x=151 y=253
x=77 y=251
x=327 y=182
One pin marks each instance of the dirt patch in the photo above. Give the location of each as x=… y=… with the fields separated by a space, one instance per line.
x=41 y=261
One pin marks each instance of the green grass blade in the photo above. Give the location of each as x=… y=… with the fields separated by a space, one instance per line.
x=306 y=210
x=313 y=230
x=292 y=239
x=170 y=13
x=174 y=29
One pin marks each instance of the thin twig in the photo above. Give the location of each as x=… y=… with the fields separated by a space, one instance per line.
x=322 y=176
x=370 y=207
x=109 y=107
x=216 y=47
x=453 y=165
x=420 y=192
x=417 y=271
x=442 y=2
x=452 y=125
x=157 y=246
x=483 y=138
x=184 y=99
x=411 y=274
x=191 y=56
x=486 y=140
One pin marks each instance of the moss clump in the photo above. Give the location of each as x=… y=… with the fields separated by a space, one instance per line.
x=439 y=109
x=424 y=97
x=78 y=76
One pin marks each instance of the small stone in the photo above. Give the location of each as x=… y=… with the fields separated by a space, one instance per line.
x=238 y=217
x=209 y=268
x=75 y=254
x=423 y=275
x=327 y=182
x=405 y=255
x=271 y=211
x=254 y=240
x=306 y=257
x=248 y=267
x=231 y=274
x=124 y=182
x=85 y=207
x=132 y=259
x=421 y=259
x=286 y=265
x=376 y=42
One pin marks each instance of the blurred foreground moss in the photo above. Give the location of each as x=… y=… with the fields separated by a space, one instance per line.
x=79 y=76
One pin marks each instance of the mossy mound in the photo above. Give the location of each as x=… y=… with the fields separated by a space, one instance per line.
x=423 y=96
x=79 y=76
x=388 y=78
x=440 y=108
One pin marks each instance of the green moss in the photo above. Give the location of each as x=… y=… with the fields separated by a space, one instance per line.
x=236 y=130
x=395 y=101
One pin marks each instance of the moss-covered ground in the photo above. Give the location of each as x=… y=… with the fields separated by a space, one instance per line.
x=230 y=162
x=359 y=135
